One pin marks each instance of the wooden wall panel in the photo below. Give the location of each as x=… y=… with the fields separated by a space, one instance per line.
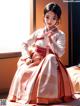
x=7 y=70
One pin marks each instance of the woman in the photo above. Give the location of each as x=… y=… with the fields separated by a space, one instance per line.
x=41 y=78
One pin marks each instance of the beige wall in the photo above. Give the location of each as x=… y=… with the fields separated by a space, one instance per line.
x=7 y=69
x=8 y=66
x=63 y=24
x=31 y=16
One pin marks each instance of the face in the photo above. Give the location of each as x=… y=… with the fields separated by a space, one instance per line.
x=50 y=19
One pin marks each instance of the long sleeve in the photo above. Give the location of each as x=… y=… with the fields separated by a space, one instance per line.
x=58 y=43
x=30 y=40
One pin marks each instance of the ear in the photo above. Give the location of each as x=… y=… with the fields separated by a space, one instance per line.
x=57 y=23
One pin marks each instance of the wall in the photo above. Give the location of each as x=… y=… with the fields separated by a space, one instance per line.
x=74 y=32
x=8 y=66
x=63 y=24
x=7 y=70
x=31 y=16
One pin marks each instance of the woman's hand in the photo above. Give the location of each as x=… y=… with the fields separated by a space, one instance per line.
x=28 y=61
x=49 y=37
x=50 y=34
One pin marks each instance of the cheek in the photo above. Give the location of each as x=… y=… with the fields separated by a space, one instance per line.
x=53 y=22
x=45 y=21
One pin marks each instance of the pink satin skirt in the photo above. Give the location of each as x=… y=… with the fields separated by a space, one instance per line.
x=42 y=83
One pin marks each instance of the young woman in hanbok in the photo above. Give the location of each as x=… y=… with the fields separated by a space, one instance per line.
x=40 y=77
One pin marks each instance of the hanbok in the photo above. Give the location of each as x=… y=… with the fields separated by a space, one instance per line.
x=45 y=80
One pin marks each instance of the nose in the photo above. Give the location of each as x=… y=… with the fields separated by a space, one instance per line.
x=49 y=22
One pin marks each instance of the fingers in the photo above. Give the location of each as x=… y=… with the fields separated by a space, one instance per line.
x=28 y=61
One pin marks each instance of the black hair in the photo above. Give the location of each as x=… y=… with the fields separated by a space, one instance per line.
x=54 y=8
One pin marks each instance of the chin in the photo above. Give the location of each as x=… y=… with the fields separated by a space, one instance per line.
x=50 y=27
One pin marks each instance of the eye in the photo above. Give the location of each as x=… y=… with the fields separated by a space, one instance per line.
x=47 y=17
x=54 y=18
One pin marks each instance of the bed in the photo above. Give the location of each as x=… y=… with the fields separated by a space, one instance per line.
x=74 y=73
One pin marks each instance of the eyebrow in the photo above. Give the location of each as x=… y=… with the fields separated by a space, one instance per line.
x=51 y=16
